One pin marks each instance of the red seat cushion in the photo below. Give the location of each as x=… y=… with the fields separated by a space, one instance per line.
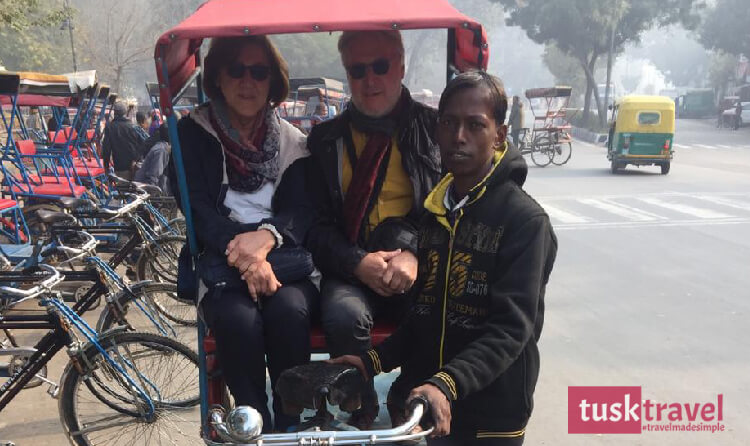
x=26 y=147
x=89 y=163
x=6 y=203
x=81 y=171
x=47 y=179
x=62 y=190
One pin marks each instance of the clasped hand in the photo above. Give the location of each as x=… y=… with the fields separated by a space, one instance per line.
x=247 y=252
x=388 y=272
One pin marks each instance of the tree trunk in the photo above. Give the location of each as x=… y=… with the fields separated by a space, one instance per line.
x=118 y=80
x=588 y=70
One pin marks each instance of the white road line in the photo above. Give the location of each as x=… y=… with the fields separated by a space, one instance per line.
x=563 y=216
x=685 y=209
x=724 y=146
x=651 y=224
x=706 y=146
x=681 y=146
x=621 y=210
x=723 y=201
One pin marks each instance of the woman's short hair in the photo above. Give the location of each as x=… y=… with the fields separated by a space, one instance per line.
x=225 y=50
x=475 y=79
x=391 y=36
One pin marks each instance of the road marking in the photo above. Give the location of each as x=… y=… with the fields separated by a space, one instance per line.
x=723 y=201
x=681 y=146
x=651 y=224
x=724 y=146
x=621 y=210
x=563 y=216
x=706 y=146
x=685 y=209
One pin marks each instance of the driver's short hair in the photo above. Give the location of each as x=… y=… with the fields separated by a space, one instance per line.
x=476 y=79
x=392 y=36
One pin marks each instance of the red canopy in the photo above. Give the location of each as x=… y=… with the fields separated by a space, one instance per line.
x=224 y=18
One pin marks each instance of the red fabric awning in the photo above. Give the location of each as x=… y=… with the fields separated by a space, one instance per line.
x=226 y=18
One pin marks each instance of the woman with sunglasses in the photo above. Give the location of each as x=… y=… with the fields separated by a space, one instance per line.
x=246 y=183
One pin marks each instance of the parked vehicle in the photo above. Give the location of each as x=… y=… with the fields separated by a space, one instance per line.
x=697 y=103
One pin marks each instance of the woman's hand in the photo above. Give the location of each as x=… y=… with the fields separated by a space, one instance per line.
x=248 y=248
x=261 y=280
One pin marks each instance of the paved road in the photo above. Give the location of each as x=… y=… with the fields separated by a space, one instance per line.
x=650 y=286
x=650 y=289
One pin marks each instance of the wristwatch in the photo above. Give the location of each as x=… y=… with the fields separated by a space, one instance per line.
x=279 y=240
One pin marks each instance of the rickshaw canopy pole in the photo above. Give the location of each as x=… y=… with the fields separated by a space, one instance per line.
x=228 y=18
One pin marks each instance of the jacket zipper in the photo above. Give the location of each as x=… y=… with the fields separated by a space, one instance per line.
x=452 y=233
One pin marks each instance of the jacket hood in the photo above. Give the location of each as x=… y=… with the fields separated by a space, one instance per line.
x=509 y=165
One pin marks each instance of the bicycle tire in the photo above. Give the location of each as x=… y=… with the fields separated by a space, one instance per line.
x=563 y=152
x=542 y=151
x=158 y=260
x=163 y=297
x=116 y=404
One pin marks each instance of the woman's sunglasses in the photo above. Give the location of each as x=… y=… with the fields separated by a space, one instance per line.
x=257 y=71
x=359 y=70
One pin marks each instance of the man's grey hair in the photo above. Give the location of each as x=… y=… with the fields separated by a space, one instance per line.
x=391 y=36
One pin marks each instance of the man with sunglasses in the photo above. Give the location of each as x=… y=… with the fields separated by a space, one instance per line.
x=371 y=170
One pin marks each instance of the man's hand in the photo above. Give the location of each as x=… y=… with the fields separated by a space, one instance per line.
x=248 y=248
x=352 y=360
x=401 y=273
x=439 y=406
x=261 y=280
x=372 y=268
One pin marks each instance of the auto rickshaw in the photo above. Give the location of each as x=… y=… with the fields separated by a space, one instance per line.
x=641 y=132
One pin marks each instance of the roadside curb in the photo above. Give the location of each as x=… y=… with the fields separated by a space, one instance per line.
x=589 y=136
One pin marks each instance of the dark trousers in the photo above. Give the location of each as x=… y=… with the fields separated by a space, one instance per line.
x=515 y=135
x=458 y=439
x=347 y=315
x=246 y=336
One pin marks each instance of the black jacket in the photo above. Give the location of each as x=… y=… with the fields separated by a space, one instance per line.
x=478 y=304
x=122 y=143
x=333 y=253
x=204 y=168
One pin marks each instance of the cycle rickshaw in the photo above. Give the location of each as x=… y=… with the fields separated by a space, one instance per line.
x=548 y=140
x=178 y=58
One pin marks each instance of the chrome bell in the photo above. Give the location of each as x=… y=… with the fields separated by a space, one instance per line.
x=244 y=423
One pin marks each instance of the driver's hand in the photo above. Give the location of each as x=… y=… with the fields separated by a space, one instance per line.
x=439 y=406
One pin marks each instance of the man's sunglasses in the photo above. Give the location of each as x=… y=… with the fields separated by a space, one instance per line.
x=257 y=71
x=359 y=70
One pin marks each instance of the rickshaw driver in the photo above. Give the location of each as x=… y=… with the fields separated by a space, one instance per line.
x=486 y=250
x=371 y=169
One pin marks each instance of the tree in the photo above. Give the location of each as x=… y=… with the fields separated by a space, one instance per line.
x=677 y=54
x=22 y=14
x=582 y=28
x=28 y=29
x=726 y=27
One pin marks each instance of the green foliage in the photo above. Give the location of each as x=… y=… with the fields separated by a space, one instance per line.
x=727 y=27
x=23 y=14
x=722 y=69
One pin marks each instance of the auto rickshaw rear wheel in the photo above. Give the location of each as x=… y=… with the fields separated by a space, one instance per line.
x=615 y=166
x=665 y=167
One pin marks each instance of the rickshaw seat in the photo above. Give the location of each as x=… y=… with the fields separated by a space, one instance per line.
x=59 y=189
x=6 y=203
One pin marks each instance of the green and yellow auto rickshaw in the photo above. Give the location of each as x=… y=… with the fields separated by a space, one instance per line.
x=641 y=132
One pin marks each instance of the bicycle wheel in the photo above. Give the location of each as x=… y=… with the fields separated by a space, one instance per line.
x=158 y=261
x=167 y=315
x=542 y=151
x=562 y=153
x=99 y=407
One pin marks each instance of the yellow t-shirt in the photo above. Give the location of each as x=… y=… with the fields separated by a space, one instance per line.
x=396 y=196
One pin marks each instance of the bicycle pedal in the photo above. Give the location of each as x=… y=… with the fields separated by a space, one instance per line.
x=53 y=390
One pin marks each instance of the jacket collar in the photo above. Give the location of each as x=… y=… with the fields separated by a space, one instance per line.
x=435 y=202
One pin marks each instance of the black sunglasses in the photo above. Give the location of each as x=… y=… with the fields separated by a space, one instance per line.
x=359 y=70
x=257 y=71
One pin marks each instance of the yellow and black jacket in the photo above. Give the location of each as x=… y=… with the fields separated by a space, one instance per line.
x=478 y=303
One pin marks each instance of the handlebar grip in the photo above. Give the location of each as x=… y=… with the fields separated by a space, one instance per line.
x=427 y=420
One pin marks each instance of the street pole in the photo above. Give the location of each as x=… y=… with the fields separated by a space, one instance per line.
x=609 y=65
x=70 y=30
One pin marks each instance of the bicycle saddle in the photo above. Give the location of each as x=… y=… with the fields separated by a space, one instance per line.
x=308 y=386
x=73 y=203
x=51 y=217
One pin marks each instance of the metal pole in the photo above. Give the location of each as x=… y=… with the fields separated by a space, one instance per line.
x=70 y=30
x=609 y=63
